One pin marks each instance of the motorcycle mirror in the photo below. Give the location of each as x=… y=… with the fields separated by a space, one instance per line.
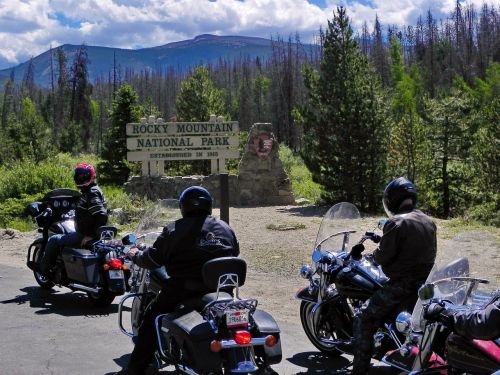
x=426 y=292
x=129 y=239
x=34 y=208
x=316 y=255
x=381 y=223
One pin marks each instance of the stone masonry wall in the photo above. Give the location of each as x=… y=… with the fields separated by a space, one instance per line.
x=262 y=181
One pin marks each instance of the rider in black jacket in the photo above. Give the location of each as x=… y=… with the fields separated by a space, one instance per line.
x=91 y=212
x=183 y=248
x=482 y=324
x=406 y=253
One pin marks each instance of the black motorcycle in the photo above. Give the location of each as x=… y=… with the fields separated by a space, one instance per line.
x=213 y=334
x=340 y=281
x=99 y=270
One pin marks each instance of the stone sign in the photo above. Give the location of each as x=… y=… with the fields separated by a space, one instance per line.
x=261 y=178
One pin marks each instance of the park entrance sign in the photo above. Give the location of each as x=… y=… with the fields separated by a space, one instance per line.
x=153 y=141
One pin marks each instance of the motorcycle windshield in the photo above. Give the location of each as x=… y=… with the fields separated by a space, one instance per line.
x=156 y=216
x=342 y=217
x=454 y=291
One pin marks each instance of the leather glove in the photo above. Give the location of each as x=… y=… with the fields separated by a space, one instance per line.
x=436 y=312
x=356 y=251
x=372 y=236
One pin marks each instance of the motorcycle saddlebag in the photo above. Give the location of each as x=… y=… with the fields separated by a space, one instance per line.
x=193 y=334
x=266 y=325
x=81 y=265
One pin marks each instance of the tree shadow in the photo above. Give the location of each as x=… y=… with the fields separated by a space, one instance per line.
x=55 y=302
x=304 y=211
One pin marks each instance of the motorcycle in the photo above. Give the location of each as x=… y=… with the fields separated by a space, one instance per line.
x=340 y=281
x=217 y=333
x=432 y=347
x=100 y=270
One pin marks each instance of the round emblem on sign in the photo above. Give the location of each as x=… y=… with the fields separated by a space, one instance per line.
x=263 y=144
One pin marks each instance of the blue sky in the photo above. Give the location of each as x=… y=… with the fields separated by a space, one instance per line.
x=30 y=27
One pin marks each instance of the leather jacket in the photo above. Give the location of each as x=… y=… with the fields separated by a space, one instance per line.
x=91 y=211
x=186 y=244
x=483 y=324
x=407 y=249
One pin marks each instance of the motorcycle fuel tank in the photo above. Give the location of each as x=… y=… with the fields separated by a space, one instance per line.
x=474 y=356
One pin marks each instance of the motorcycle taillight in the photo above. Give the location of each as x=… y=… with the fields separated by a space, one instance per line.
x=115 y=264
x=242 y=337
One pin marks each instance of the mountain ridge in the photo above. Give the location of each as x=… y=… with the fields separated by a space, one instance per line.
x=181 y=55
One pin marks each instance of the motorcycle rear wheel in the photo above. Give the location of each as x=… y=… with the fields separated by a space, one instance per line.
x=330 y=349
x=44 y=282
x=102 y=299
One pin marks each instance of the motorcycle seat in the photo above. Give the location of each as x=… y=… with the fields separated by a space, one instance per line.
x=199 y=303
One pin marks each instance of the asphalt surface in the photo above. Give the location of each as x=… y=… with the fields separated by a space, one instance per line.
x=60 y=332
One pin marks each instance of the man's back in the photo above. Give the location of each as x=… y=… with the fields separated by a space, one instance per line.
x=185 y=245
x=408 y=247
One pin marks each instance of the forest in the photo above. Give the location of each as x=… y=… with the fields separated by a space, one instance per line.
x=357 y=108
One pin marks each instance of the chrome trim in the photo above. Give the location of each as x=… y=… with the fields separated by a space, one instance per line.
x=158 y=334
x=84 y=288
x=245 y=367
x=120 y=312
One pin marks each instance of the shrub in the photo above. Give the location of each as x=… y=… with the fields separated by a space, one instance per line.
x=302 y=184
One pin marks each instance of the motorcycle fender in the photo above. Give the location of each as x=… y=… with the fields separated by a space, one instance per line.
x=266 y=325
x=307 y=294
x=38 y=241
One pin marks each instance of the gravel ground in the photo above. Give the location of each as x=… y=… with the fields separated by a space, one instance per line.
x=275 y=256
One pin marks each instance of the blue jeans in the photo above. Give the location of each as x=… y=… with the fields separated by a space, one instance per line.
x=54 y=245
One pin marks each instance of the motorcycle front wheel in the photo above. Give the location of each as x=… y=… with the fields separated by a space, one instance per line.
x=44 y=282
x=326 y=331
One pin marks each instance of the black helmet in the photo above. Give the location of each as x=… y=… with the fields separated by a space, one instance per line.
x=195 y=200
x=396 y=192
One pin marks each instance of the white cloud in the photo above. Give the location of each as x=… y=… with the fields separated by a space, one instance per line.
x=29 y=27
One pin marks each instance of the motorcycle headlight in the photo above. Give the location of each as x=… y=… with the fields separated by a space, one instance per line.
x=403 y=322
x=306 y=271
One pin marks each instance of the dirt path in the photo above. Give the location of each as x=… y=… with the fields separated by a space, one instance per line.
x=275 y=256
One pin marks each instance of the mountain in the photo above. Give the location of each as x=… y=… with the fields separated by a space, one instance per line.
x=180 y=55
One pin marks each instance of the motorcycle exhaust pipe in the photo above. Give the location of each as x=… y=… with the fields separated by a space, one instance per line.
x=84 y=288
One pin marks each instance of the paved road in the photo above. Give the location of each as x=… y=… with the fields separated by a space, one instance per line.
x=59 y=332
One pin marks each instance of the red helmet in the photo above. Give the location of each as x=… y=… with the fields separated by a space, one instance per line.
x=84 y=175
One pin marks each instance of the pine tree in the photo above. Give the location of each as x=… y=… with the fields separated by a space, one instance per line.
x=198 y=98
x=344 y=132
x=115 y=169
x=81 y=112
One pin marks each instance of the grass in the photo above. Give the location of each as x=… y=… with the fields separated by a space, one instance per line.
x=285 y=226
x=450 y=228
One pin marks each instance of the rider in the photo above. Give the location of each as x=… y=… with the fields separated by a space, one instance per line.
x=482 y=324
x=91 y=212
x=183 y=248
x=406 y=253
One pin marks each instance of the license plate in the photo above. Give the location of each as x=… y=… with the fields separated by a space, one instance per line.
x=115 y=274
x=236 y=318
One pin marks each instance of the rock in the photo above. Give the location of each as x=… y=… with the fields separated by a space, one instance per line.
x=8 y=234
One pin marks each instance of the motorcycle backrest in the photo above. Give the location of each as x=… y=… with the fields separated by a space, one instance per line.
x=106 y=232
x=215 y=268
